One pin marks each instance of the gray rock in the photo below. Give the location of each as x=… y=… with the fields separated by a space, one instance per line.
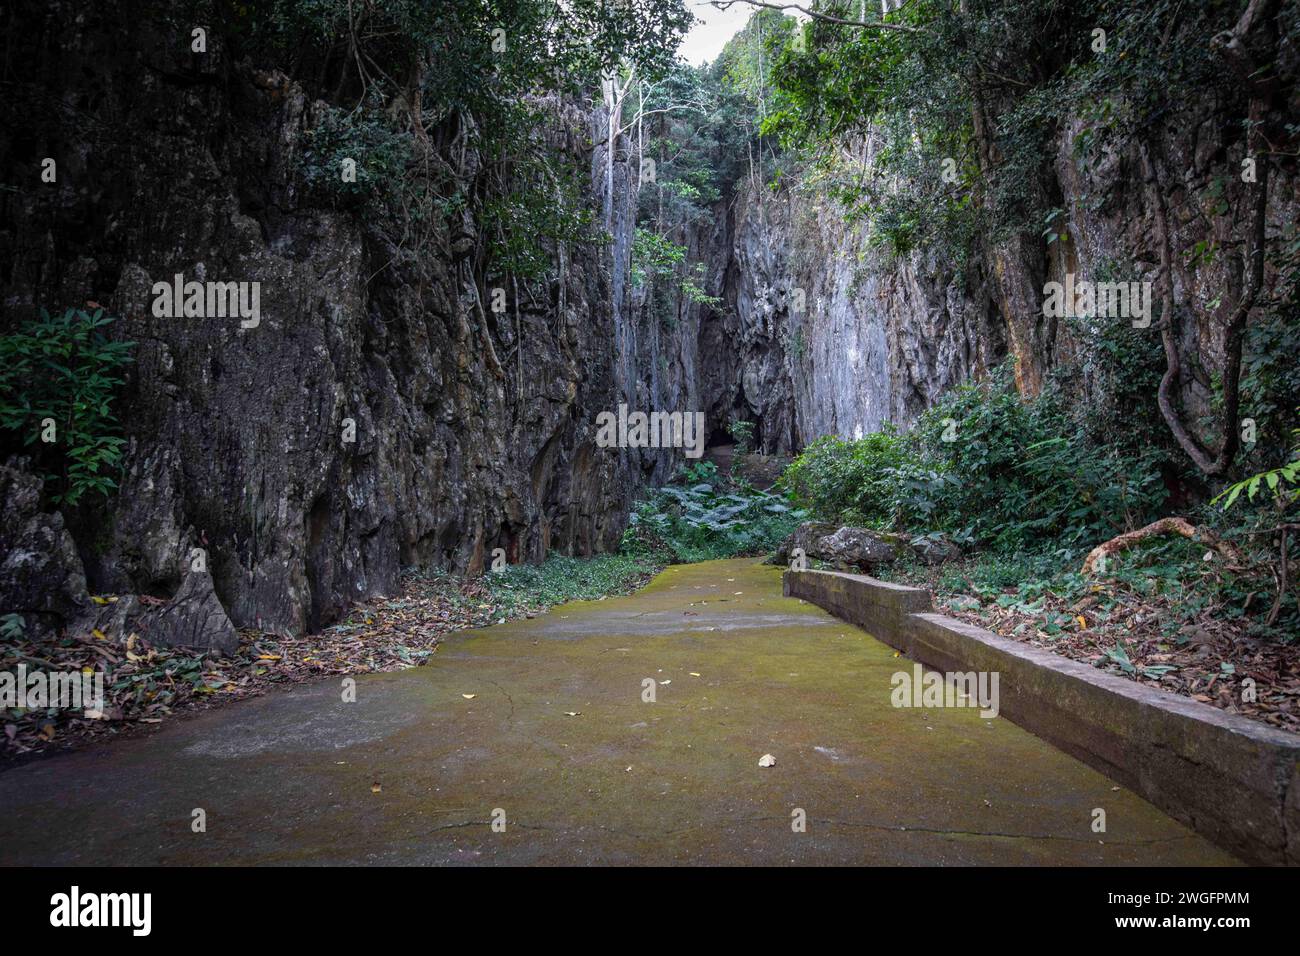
x=472 y=430
x=846 y=548
x=41 y=576
x=850 y=548
x=934 y=549
x=115 y=620
x=194 y=618
x=858 y=548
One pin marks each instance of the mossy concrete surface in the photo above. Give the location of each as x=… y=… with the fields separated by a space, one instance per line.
x=543 y=723
x=1231 y=779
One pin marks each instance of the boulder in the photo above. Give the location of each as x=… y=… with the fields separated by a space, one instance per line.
x=804 y=537
x=194 y=618
x=41 y=575
x=858 y=548
x=846 y=548
x=934 y=549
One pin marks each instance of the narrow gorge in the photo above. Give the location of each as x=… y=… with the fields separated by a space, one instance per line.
x=316 y=315
x=470 y=428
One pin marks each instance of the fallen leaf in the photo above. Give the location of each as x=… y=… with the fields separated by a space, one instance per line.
x=375 y=788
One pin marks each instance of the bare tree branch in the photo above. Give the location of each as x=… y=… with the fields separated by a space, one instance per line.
x=821 y=17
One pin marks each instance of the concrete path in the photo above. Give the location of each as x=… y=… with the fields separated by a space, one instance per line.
x=557 y=738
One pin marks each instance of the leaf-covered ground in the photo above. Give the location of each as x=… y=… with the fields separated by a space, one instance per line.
x=146 y=685
x=1168 y=619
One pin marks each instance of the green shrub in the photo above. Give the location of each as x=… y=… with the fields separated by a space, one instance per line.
x=1023 y=470
x=836 y=479
x=363 y=136
x=742 y=433
x=986 y=465
x=704 y=520
x=58 y=377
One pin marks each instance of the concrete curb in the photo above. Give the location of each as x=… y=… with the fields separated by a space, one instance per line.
x=1232 y=780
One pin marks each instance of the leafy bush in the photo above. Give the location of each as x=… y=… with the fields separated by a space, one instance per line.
x=851 y=480
x=983 y=464
x=63 y=372
x=1024 y=469
x=742 y=433
x=363 y=136
x=705 y=520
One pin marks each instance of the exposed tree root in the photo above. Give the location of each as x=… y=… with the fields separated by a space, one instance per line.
x=1182 y=526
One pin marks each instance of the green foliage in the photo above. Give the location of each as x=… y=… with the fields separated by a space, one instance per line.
x=447 y=47
x=446 y=108
x=681 y=129
x=560 y=578
x=851 y=480
x=1022 y=469
x=366 y=138
x=1018 y=65
x=528 y=212
x=1281 y=485
x=983 y=464
x=700 y=472
x=1119 y=368
x=653 y=256
x=12 y=627
x=65 y=369
x=742 y=433
x=707 y=520
x=1169 y=576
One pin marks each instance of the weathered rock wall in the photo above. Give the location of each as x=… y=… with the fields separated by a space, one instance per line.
x=879 y=338
x=473 y=430
x=825 y=337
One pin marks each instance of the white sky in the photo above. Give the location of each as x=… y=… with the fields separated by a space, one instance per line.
x=706 y=40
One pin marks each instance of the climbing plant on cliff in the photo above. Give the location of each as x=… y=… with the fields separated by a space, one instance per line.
x=939 y=122
x=442 y=109
x=58 y=379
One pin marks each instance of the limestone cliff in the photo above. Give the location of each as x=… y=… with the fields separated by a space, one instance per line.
x=381 y=414
x=823 y=332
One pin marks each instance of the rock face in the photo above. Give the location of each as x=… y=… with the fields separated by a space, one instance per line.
x=193 y=618
x=41 y=577
x=823 y=332
x=822 y=342
x=380 y=414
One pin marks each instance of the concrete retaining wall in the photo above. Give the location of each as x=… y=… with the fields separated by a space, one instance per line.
x=1232 y=780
